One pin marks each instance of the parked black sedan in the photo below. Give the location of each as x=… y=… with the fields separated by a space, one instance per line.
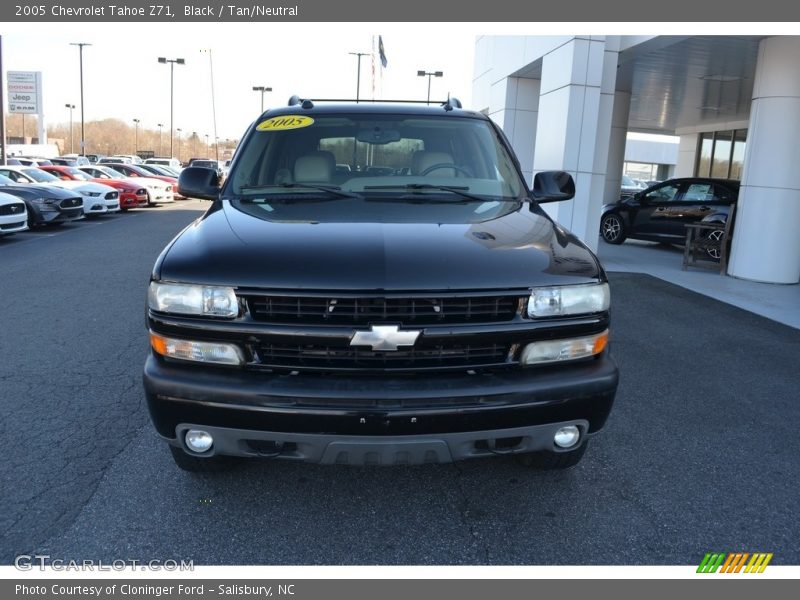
x=660 y=212
x=46 y=204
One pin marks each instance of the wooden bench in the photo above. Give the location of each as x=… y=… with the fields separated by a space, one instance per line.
x=707 y=245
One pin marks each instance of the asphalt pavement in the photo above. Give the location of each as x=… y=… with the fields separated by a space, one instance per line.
x=700 y=453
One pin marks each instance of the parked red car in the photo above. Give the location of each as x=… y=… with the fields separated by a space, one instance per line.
x=130 y=194
x=137 y=171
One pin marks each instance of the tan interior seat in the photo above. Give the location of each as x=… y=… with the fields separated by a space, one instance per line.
x=423 y=159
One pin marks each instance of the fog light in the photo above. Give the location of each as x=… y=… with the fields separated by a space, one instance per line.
x=209 y=352
x=567 y=437
x=198 y=441
x=548 y=351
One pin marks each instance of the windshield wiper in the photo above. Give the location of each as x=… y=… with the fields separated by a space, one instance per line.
x=330 y=189
x=458 y=190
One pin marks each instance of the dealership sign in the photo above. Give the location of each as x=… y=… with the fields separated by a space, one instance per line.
x=24 y=92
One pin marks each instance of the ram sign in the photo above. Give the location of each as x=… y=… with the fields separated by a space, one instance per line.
x=24 y=92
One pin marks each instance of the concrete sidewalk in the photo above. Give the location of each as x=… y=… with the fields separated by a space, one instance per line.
x=777 y=302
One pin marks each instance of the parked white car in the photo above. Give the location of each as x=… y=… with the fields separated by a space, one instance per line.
x=13 y=215
x=97 y=198
x=173 y=163
x=157 y=191
x=129 y=159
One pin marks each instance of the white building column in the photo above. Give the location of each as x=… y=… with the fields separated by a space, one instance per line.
x=574 y=126
x=766 y=240
x=514 y=105
x=616 y=146
x=687 y=155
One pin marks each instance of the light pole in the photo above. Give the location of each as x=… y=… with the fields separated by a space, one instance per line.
x=429 y=75
x=262 y=89
x=80 y=46
x=160 y=125
x=136 y=136
x=213 y=102
x=172 y=62
x=71 y=137
x=358 y=72
x=179 y=143
x=208 y=152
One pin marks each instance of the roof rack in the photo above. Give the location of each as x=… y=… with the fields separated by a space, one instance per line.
x=448 y=104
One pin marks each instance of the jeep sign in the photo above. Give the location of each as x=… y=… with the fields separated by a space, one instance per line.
x=24 y=91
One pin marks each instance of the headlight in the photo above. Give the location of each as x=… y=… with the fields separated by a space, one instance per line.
x=45 y=204
x=186 y=299
x=207 y=352
x=92 y=194
x=559 y=301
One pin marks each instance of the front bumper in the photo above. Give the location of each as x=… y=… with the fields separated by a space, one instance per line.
x=128 y=200
x=13 y=223
x=62 y=215
x=448 y=414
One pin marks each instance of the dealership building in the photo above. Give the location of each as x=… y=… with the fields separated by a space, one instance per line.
x=734 y=102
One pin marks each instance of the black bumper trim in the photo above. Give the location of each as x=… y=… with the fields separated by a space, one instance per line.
x=378 y=405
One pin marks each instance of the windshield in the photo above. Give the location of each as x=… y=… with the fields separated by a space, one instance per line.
x=208 y=164
x=376 y=156
x=113 y=173
x=77 y=173
x=40 y=176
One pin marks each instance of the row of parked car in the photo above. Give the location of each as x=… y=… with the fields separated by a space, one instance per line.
x=37 y=191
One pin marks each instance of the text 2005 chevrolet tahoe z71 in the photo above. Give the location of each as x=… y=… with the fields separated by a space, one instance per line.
x=375 y=283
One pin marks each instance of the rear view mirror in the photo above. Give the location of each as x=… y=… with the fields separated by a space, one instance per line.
x=553 y=186
x=199 y=182
x=377 y=135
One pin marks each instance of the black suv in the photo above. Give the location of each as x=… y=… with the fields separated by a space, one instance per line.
x=374 y=283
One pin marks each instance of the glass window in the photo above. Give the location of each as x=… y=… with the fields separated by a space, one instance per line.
x=704 y=156
x=723 y=143
x=737 y=160
x=378 y=155
x=699 y=192
x=665 y=193
x=725 y=194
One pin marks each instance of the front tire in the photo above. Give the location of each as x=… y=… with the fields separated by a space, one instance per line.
x=198 y=464
x=612 y=229
x=547 y=460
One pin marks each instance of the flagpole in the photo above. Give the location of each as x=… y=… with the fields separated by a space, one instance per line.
x=373 y=67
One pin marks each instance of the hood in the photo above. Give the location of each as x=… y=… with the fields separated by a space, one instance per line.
x=126 y=186
x=515 y=251
x=149 y=182
x=85 y=186
x=38 y=190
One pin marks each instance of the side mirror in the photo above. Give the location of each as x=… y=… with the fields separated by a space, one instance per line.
x=199 y=182
x=553 y=186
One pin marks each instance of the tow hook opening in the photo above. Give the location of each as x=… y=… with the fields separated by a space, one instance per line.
x=499 y=445
x=270 y=448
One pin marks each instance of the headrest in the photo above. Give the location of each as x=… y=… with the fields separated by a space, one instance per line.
x=317 y=167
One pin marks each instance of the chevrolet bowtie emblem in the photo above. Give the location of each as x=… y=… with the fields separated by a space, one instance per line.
x=384 y=338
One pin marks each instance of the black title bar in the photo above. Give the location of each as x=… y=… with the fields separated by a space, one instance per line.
x=408 y=10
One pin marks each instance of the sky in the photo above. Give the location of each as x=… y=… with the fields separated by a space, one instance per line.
x=123 y=79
